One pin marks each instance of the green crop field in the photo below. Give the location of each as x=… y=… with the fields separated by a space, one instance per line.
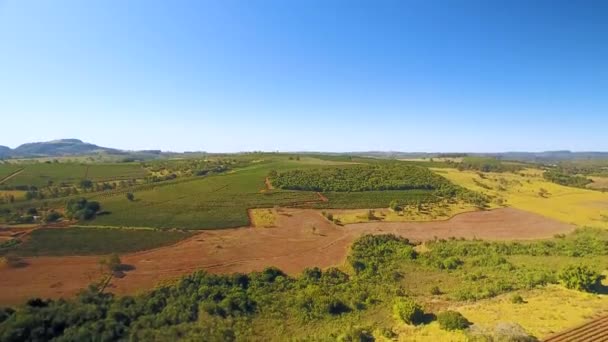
x=94 y=241
x=8 y=169
x=218 y=201
x=40 y=174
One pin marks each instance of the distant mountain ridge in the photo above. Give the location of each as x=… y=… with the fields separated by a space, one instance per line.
x=55 y=148
x=76 y=147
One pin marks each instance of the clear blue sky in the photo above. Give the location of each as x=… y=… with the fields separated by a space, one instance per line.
x=306 y=75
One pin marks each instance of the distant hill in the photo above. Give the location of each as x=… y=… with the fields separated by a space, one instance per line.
x=4 y=151
x=56 y=148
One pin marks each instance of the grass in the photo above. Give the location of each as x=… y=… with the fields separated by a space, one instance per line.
x=599 y=183
x=94 y=241
x=18 y=194
x=372 y=199
x=431 y=212
x=264 y=218
x=546 y=311
x=7 y=170
x=520 y=190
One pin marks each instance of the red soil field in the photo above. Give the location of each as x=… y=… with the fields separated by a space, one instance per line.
x=292 y=246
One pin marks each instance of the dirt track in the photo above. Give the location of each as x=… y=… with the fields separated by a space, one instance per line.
x=291 y=246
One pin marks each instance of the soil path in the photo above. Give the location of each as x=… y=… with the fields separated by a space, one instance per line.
x=292 y=246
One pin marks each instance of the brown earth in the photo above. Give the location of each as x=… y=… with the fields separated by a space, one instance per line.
x=293 y=245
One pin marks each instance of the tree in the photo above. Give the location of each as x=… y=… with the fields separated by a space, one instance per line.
x=130 y=196
x=408 y=311
x=53 y=216
x=579 y=277
x=111 y=263
x=86 y=184
x=394 y=206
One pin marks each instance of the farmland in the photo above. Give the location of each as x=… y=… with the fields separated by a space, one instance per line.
x=39 y=174
x=245 y=213
x=94 y=241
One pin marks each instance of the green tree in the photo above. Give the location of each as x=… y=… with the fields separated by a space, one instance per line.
x=579 y=277
x=408 y=311
x=130 y=196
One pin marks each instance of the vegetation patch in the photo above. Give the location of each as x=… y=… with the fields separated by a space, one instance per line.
x=265 y=218
x=93 y=241
x=360 y=178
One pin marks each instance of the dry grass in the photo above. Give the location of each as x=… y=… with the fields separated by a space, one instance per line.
x=428 y=212
x=263 y=218
x=546 y=311
x=521 y=190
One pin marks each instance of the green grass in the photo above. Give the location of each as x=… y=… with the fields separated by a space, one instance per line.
x=94 y=241
x=7 y=169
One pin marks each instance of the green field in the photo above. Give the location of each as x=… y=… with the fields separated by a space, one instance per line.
x=39 y=174
x=93 y=241
x=8 y=169
x=218 y=201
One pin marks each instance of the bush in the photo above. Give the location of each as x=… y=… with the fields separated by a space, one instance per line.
x=53 y=216
x=408 y=311
x=356 y=335
x=579 y=277
x=435 y=291
x=452 y=320
x=517 y=299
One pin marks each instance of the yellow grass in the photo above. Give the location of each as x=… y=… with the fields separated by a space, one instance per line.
x=430 y=212
x=263 y=218
x=598 y=183
x=18 y=194
x=547 y=311
x=429 y=332
x=521 y=190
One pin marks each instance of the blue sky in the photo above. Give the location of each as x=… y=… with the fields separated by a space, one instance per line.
x=306 y=74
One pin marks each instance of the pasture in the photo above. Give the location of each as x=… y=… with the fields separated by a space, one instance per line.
x=522 y=190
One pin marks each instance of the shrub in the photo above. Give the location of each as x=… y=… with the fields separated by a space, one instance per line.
x=579 y=277
x=452 y=320
x=53 y=216
x=408 y=311
x=435 y=291
x=451 y=263
x=517 y=299
x=356 y=335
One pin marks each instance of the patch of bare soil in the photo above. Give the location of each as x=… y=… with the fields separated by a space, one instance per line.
x=303 y=238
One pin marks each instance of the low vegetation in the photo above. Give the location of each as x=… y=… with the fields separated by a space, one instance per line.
x=229 y=307
x=558 y=177
x=91 y=241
